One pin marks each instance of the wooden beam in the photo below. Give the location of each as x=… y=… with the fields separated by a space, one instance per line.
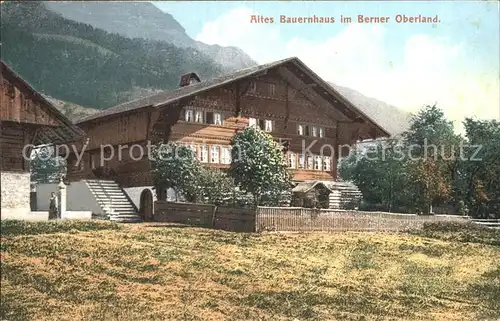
x=148 y=125
x=291 y=92
x=322 y=92
x=172 y=120
x=260 y=74
x=240 y=89
x=307 y=86
x=283 y=74
x=35 y=136
x=169 y=116
x=52 y=132
x=237 y=98
x=287 y=105
x=355 y=136
x=244 y=89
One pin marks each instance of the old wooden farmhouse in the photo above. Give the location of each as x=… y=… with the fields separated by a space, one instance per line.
x=285 y=98
x=27 y=120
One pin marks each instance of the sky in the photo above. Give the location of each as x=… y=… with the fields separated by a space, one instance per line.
x=454 y=63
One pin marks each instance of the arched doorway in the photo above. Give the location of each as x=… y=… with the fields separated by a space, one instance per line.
x=146 y=210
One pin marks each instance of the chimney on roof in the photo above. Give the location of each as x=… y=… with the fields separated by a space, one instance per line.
x=189 y=79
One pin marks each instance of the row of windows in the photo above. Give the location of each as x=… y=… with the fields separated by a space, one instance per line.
x=314 y=162
x=215 y=118
x=264 y=124
x=217 y=155
x=308 y=130
x=203 y=117
x=222 y=155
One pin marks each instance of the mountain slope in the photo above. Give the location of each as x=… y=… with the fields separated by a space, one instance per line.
x=391 y=118
x=87 y=66
x=83 y=65
x=72 y=111
x=144 y=20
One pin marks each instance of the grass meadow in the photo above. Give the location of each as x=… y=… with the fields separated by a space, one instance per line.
x=95 y=270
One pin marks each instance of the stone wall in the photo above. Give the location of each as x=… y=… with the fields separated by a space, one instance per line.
x=15 y=194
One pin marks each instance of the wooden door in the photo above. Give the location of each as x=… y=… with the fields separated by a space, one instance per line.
x=146 y=210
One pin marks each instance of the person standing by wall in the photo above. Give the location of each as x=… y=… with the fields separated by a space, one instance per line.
x=53 y=207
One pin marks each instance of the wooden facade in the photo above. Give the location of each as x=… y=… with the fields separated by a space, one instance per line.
x=284 y=98
x=27 y=119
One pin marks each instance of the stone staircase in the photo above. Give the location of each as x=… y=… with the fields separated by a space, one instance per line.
x=113 y=201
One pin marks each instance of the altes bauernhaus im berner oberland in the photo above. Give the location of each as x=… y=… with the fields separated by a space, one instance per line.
x=399 y=18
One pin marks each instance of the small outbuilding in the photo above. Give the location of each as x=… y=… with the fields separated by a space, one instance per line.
x=27 y=120
x=326 y=194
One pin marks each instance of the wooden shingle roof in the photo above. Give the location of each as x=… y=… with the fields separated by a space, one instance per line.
x=167 y=97
x=306 y=81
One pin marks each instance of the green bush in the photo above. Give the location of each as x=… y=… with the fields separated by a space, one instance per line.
x=16 y=227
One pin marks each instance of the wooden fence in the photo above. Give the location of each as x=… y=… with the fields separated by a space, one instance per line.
x=205 y=215
x=296 y=219
x=306 y=219
x=491 y=223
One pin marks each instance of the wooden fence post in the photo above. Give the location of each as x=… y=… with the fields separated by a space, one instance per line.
x=214 y=216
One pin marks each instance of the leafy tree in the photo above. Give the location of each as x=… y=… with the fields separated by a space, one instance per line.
x=258 y=164
x=428 y=126
x=479 y=171
x=216 y=186
x=418 y=170
x=430 y=181
x=46 y=167
x=433 y=149
x=175 y=166
x=379 y=171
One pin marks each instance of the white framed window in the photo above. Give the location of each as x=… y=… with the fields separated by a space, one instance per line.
x=326 y=163
x=300 y=130
x=318 y=163
x=226 y=155
x=214 y=155
x=268 y=125
x=198 y=116
x=321 y=132
x=193 y=148
x=310 y=162
x=204 y=154
x=189 y=115
x=302 y=163
x=291 y=160
x=272 y=89
x=314 y=131
x=252 y=121
x=217 y=119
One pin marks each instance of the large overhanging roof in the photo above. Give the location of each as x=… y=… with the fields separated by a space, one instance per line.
x=292 y=70
x=65 y=132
